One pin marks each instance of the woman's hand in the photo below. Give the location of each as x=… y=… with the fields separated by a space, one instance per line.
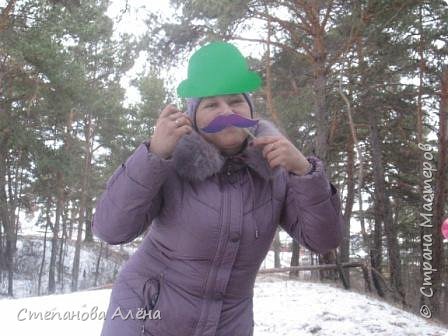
x=167 y=132
x=279 y=151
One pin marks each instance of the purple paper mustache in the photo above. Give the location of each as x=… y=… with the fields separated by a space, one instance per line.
x=221 y=122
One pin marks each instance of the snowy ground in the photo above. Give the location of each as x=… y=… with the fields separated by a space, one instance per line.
x=283 y=308
x=294 y=308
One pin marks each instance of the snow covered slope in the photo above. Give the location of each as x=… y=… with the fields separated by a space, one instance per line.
x=282 y=308
x=294 y=308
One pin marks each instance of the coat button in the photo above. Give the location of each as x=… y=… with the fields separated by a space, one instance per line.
x=234 y=237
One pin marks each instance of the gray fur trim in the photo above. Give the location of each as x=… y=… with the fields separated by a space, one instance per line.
x=195 y=159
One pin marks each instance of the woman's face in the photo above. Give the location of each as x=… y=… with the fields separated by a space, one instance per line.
x=230 y=139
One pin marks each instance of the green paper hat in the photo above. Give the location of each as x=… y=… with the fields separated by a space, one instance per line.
x=218 y=68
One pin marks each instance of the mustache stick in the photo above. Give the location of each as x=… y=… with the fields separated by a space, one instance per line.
x=250 y=133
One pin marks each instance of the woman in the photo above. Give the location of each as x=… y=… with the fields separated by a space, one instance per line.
x=211 y=203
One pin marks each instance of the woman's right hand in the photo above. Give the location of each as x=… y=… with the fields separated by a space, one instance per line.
x=167 y=132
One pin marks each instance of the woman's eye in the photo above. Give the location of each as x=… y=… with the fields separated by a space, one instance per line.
x=232 y=102
x=237 y=101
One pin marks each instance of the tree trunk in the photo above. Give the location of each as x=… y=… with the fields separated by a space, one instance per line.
x=269 y=101
x=376 y=250
x=321 y=112
x=7 y=224
x=98 y=263
x=345 y=245
x=294 y=258
x=63 y=247
x=44 y=249
x=88 y=133
x=88 y=221
x=55 y=232
x=2 y=255
x=277 y=249
x=382 y=205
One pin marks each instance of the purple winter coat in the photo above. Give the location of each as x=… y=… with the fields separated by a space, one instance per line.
x=211 y=223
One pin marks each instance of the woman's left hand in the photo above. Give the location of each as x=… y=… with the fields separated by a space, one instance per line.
x=279 y=151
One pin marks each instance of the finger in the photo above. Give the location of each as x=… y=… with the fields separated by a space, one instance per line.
x=185 y=120
x=266 y=149
x=174 y=116
x=271 y=147
x=169 y=109
x=264 y=140
x=182 y=117
x=185 y=129
x=275 y=162
x=189 y=119
x=273 y=154
x=181 y=121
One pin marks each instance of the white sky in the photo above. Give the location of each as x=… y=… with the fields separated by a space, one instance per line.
x=132 y=22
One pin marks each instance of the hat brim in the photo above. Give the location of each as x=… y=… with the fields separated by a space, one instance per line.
x=248 y=82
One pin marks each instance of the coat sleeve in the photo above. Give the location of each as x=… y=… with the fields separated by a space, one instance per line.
x=133 y=197
x=311 y=212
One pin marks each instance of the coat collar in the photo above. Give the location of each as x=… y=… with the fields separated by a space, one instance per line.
x=196 y=159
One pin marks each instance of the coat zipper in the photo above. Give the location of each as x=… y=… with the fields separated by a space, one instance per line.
x=256 y=230
x=218 y=261
x=253 y=205
x=220 y=256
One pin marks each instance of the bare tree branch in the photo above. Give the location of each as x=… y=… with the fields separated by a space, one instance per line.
x=289 y=27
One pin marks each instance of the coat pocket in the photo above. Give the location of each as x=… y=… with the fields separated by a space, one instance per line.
x=137 y=298
x=172 y=309
x=137 y=294
x=151 y=291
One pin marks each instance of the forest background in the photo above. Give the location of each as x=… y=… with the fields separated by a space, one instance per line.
x=362 y=84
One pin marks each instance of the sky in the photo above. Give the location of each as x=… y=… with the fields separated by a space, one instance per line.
x=132 y=22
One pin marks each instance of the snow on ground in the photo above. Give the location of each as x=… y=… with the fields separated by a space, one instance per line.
x=283 y=308
x=296 y=308
x=16 y=315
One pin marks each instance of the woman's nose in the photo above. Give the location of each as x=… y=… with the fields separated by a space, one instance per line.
x=226 y=109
